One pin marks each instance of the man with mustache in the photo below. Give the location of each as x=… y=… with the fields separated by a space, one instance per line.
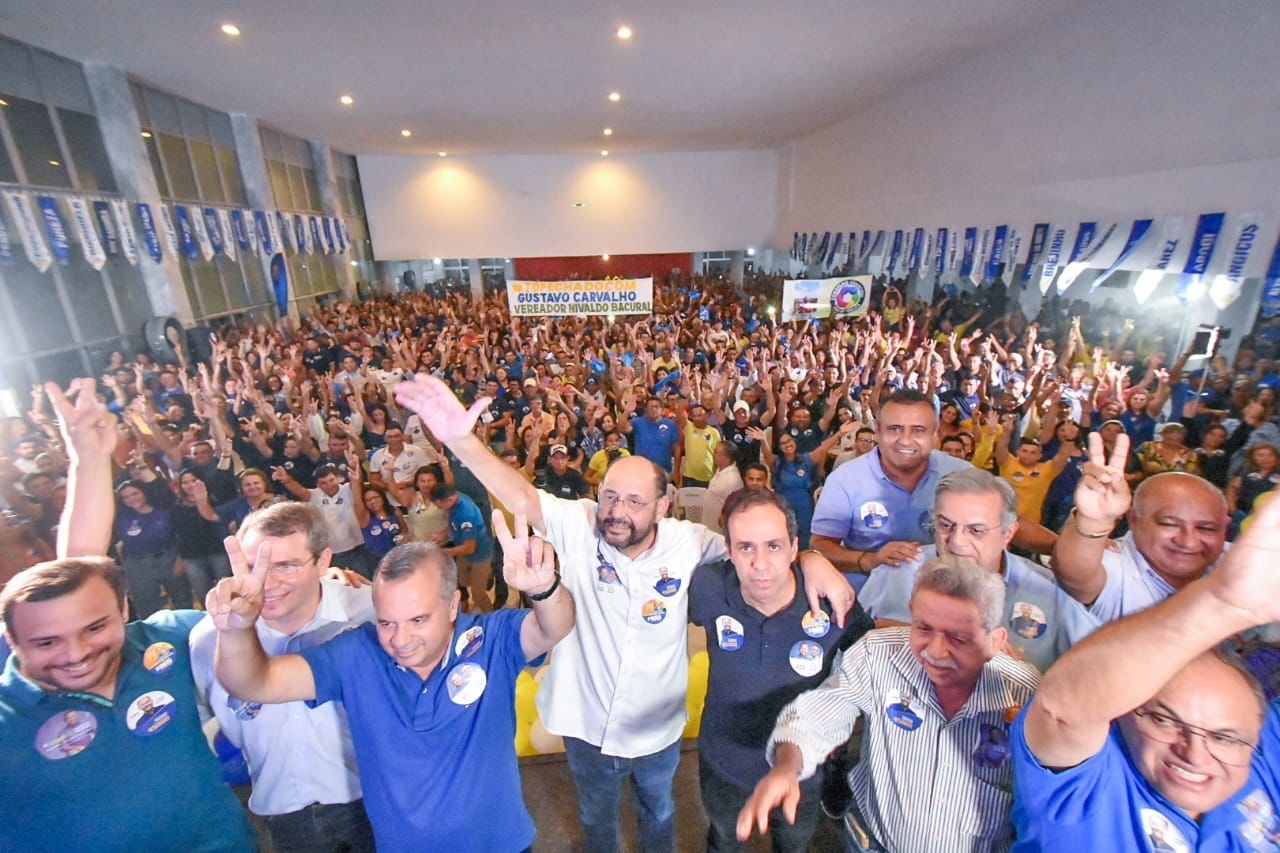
x=615 y=689
x=938 y=698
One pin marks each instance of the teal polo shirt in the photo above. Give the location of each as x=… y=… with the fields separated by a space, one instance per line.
x=80 y=772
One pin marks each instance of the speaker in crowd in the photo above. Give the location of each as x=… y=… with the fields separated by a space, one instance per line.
x=199 y=347
x=163 y=337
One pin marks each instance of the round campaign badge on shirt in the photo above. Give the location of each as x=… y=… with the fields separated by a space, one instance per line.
x=729 y=634
x=469 y=642
x=873 y=514
x=134 y=529
x=158 y=658
x=1161 y=833
x=1259 y=825
x=607 y=574
x=65 y=734
x=806 y=658
x=243 y=710
x=150 y=713
x=1028 y=620
x=666 y=586
x=816 y=626
x=653 y=611
x=993 y=747
x=899 y=710
x=466 y=682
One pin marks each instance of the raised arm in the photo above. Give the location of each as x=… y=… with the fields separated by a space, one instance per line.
x=529 y=566
x=89 y=433
x=1101 y=498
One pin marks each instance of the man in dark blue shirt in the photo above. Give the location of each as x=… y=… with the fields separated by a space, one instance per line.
x=654 y=437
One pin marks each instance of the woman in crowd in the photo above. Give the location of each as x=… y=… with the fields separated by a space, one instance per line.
x=796 y=475
x=255 y=493
x=425 y=521
x=199 y=531
x=381 y=523
x=1168 y=452
x=1259 y=477
x=145 y=537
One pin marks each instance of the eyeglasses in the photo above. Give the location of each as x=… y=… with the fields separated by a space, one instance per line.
x=291 y=568
x=1164 y=728
x=608 y=500
x=946 y=527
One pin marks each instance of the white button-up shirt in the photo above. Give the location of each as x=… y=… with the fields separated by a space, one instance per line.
x=618 y=681
x=411 y=458
x=1131 y=584
x=340 y=517
x=297 y=755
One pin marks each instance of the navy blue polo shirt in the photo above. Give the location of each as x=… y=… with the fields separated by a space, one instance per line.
x=437 y=758
x=466 y=523
x=655 y=441
x=758 y=664
x=80 y=772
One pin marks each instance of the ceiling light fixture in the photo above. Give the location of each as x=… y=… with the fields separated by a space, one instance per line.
x=608 y=131
x=146 y=134
x=3 y=102
x=615 y=96
x=442 y=153
x=437 y=261
x=579 y=204
x=604 y=153
x=406 y=133
x=230 y=29
x=604 y=257
x=624 y=32
x=346 y=100
x=54 y=163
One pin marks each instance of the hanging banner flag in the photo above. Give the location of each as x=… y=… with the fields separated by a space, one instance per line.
x=978 y=274
x=876 y=250
x=280 y=281
x=300 y=240
x=327 y=227
x=795 y=245
x=264 y=231
x=1203 y=242
x=54 y=228
x=996 y=258
x=1012 y=250
x=203 y=240
x=237 y=228
x=953 y=253
x=894 y=251
x=170 y=231
x=926 y=258
x=865 y=252
x=149 y=235
x=189 y=247
x=250 y=231
x=6 y=241
x=558 y=298
x=1084 y=237
x=970 y=244
x=1171 y=246
x=1271 y=284
x=837 y=245
x=106 y=228
x=86 y=232
x=819 y=299
x=27 y=229
x=813 y=248
x=1087 y=258
x=1138 y=232
x=229 y=237
x=212 y=231
x=943 y=248
x=1039 y=234
x=124 y=227
x=280 y=231
x=1052 y=257
x=1234 y=268
x=820 y=256
x=917 y=249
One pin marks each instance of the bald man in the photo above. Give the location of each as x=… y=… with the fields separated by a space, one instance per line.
x=1173 y=750
x=1177 y=532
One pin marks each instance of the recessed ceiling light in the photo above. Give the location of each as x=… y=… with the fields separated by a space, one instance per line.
x=3 y=102
x=436 y=261
x=604 y=153
x=346 y=100
x=442 y=153
x=615 y=96
x=624 y=32
x=54 y=163
x=608 y=131
x=579 y=204
x=751 y=252
x=604 y=257
x=146 y=134
x=231 y=29
x=406 y=133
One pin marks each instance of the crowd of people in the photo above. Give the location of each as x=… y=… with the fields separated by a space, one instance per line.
x=942 y=515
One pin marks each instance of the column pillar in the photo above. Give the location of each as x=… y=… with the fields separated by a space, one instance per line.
x=257 y=187
x=131 y=167
x=327 y=182
x=477 y=280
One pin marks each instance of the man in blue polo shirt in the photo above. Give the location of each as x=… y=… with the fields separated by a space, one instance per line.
x=471 y=545
x=876 y=509
x=101 y=746
x=653 y=436
x=429 y=693
x=1146 y=736
x=766 y=648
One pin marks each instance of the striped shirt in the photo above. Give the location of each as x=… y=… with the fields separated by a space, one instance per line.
x=925 y=783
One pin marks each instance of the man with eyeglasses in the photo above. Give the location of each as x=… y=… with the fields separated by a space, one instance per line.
x=616 y=685
x=1146 y=730
x=306 y=785
x=975 y=516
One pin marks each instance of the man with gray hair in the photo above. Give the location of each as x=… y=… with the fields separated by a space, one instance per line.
x=429 y=693
x=975 y=516
x=306 y=784
x=938 y=698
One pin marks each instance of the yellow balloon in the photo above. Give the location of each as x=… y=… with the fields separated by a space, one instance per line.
x=1258 y=503
x=544 y=741
x=541 y=673
x=524 y=746
x=526 y=690
x=696 y=695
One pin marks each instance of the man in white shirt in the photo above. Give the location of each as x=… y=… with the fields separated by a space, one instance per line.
x=401 y=458
x=616 y=685
x=306 y=785
x=725 y=481
x=335 y=500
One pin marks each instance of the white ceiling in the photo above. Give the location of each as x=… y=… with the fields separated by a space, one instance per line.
x=496 y=76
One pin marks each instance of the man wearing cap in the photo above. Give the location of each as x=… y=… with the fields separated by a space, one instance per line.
x=1177 y=533
x=736 y=431
x=561 y=480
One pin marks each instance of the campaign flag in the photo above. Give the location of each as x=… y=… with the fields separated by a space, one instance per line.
x=106 y=228
x=86 y=232
x=229 y=237
x=279 y=271
x=1171 y=246
x=28 y=231
x=189 y=247
x=1086 y=257
x=264 y=231
x=124 y=227
x=997 y=252
x=149 y=235
x=6 y=240
x=1271 y=284
x=238 y=226
x=970 y=244
x=1138 y=232
x=1053 y=256
x=1039 y=235
x=214 y=232
x=201 y=234
x=1203 y=242
x=1234 y=268
x=327 y=224
x=54 y=228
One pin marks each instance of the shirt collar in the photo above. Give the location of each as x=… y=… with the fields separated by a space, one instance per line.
x=17 y=685
x=332 y=608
